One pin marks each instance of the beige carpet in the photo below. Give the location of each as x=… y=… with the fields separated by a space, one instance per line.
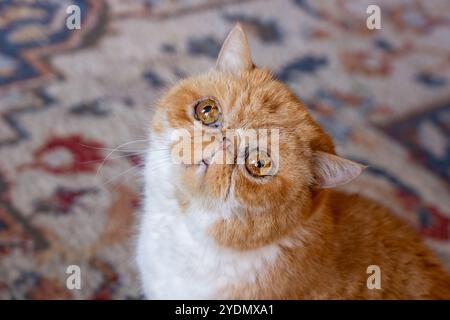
x=68 y=97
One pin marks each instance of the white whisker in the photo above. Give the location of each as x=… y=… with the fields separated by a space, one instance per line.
x=118 y=176
x=111 y=152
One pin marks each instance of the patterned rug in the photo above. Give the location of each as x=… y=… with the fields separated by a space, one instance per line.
x=68 y=98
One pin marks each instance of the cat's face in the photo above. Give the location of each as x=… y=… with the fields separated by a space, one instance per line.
x=267 y=156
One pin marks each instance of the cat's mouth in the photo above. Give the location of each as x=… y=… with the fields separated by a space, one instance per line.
x=204 y=164
x=207 y=162
x=217 y=155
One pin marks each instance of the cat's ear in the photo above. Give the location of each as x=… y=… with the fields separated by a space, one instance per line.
x=332 y=171
x=235 y=55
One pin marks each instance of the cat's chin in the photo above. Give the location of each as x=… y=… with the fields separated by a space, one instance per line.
x=203 y=182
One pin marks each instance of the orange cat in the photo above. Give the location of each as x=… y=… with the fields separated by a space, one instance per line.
x=269 y=226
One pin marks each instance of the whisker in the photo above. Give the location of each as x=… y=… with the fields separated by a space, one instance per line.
x=118 y=176
x=118 y=157
x=117 y=148
x=111 y=152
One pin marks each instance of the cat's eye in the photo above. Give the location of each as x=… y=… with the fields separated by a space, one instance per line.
x=207 y=111
x=259 y=163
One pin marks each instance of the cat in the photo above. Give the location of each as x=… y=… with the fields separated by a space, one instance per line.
x=268 y=227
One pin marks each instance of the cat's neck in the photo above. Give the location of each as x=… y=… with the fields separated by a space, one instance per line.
x=251 y=231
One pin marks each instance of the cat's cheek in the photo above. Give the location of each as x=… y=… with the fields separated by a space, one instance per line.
x=254 y=193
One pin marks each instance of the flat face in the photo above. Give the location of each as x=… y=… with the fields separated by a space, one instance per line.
x=247 y=136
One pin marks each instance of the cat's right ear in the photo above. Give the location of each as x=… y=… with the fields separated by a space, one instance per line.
x=331 y=171
x=235 y=55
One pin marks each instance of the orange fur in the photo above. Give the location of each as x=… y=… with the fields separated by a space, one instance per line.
x=333 y=248
x=327 y=238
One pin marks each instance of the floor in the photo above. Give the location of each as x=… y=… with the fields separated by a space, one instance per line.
x=69 y=97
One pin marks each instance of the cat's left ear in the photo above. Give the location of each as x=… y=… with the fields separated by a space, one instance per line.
x=235 y=55
x=331 y=171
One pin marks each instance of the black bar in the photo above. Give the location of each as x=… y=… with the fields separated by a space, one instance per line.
x=131 y=309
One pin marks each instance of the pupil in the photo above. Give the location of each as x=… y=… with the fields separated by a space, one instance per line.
x=260 y=163
x=207 y=109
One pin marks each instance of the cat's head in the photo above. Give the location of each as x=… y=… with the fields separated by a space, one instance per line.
x=268 y=157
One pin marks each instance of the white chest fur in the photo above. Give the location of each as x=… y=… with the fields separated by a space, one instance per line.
x=176 y=257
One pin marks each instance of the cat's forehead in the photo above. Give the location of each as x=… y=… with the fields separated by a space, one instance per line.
x=251 y=98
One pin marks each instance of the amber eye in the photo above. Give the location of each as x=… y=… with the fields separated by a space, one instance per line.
x=259 y=163
x=207 y=111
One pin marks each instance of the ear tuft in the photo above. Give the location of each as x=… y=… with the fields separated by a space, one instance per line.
x=332 y=171
x=235 y=55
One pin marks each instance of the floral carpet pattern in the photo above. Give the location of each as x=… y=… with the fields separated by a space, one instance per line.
x=69 y=97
